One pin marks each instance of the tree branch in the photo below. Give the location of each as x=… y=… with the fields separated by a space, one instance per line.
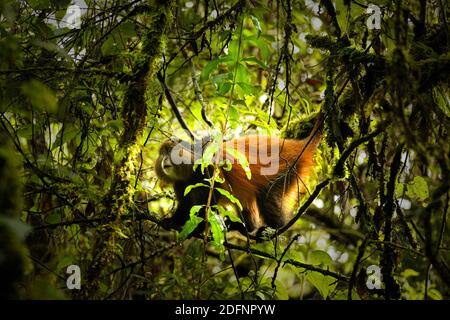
x=174 y=107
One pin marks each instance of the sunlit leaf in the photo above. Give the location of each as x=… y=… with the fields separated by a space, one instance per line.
x=233 y=116
x=217 y=231
x=263 y=48
x=321 y=258
x=191 y=224
x=324 y=284
x=192 y=186
x=410 y=273
x=209 y=155
x=418 y=189
x=254 y=61
x=242 y=160
x=230 y=197
x=242 y=74
x=228 y=213
x=257 y=25
x=434 y=294
x=249 y=89
x=67 y=133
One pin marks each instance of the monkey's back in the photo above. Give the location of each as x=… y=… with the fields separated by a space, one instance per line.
x=279 y=169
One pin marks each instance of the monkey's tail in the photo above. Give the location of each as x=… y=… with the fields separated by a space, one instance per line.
x=313 y=139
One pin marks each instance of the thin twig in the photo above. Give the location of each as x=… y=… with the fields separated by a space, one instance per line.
x=173 y=105
x=293 y=262
x=275 y=273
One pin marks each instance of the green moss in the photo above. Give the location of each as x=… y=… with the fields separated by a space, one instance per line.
x=321 y=42
x=300 y=128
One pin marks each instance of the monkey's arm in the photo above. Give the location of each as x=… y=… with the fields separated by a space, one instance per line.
x=181 y=214
x=197 y=196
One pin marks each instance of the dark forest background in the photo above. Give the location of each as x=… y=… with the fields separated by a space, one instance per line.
x=90 y=89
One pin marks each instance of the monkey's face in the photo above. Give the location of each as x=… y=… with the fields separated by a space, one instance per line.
x=167 y=167
x=175 y=161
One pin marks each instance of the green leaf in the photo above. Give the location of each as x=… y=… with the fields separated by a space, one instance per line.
x=192 y=186
x=223 y=89
x=208 y=155
x=127 y=30
x=64 y=261
x=324 y=284
x=282 y=292
x=321 y=258
x=226 y=165
x=418 y=189
x=115 y=125
x=53 y=218
x=25 y=131
x=249 y=89
x=68 y=132
x=257 y=25
x=228 y=213
x=219 y=79
x=52 y=47
x=434 y=294
x=224 y=34
x=399 y=190
x=261 y=124
x=191 y=224
x=219 y=179
x=217 y=231
x=230 y=197
x=263 y=47
x=253 y=61
x=39 y=4
x=117 y=40
x=233 y=116
x=242 y=160
x=233 y=48
x=119 y=232
x=222 y=83
x=208 y=68
x=242 y=74
x=110 y=46
x=40 y=96
x=410 y=273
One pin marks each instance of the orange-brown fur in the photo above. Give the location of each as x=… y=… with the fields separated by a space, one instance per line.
x=267 y=199
x=295 y=156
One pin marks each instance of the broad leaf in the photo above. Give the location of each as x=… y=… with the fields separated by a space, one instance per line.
x=191 y=224
x=418 y=189
x=257 y=25
x=192 y=186
x=230 y=197
x=228 y=213
x=242 y=160
x=208 y=69
x=217 y=231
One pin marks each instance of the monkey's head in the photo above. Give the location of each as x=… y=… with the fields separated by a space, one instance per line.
x=175 y=161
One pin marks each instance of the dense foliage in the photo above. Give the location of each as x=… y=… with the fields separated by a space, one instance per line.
x=89 y=89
